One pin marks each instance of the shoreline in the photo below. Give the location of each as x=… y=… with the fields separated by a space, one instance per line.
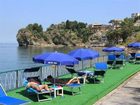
x=59 y=46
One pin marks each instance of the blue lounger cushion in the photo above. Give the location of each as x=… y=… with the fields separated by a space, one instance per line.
x=31 y=90
x=6 y=100
x=74 y=85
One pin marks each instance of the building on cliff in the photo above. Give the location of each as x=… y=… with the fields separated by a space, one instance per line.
x=100 y=27
x=115 y=23
x=134 y=15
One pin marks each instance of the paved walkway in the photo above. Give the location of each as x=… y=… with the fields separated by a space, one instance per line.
x=126 y=94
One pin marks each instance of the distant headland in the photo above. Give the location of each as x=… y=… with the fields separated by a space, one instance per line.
x=74 y=33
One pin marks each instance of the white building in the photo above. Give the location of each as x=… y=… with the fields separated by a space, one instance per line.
x=133 y=15
x=137 y=23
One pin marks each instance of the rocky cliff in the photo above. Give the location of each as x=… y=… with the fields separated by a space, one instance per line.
x=73 y=33
x=69 y=33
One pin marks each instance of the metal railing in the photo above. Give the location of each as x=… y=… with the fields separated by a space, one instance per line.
x=14 y=79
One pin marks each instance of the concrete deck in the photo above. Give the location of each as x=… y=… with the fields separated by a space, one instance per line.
x=126 y=94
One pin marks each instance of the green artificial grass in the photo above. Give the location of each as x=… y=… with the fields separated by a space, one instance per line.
x=90 y=92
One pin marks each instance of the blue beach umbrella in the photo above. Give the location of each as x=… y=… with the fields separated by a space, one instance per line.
x=134 y=45
x=55 y=58
x=113 y=49
x=84 y=54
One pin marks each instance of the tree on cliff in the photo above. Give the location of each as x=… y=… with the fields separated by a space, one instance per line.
x=125 y=30
x=70 y=33
x=36 y=29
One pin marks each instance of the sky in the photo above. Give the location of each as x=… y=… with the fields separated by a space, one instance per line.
x=17 y=14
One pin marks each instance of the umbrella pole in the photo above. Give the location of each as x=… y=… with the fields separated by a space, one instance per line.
x=82 y=65
x=55 y=74
x=57 y=67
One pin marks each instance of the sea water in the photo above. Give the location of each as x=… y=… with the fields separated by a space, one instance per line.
x=13 y=57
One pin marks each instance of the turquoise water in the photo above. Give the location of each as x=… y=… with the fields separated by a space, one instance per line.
x=13 y=57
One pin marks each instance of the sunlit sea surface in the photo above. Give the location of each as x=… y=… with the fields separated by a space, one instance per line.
x=13 y=57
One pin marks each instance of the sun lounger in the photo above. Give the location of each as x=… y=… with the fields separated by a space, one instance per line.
x=73 y=86
x=100 y=70
x=137 y=58
x=64 y=82
x=7 y=100
x=120 y=61
x=79 y=74
x=111 y=60
x=31 y=91
x=131 y=57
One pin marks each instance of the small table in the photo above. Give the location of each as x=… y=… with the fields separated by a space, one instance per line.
x=57 y=90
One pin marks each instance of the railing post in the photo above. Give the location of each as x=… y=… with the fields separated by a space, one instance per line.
x=16 y=78
x=90 y=62
x=41 y=77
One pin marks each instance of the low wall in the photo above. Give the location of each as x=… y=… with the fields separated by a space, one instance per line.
x=14 y=79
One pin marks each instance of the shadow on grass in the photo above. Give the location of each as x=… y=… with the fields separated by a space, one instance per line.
x=75 y=92
x=67 y=92
x=33 y=96
x=92 y=81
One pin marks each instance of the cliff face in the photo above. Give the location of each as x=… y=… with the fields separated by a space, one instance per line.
x=73 y=33
x=25 y=37
x=69 y=33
